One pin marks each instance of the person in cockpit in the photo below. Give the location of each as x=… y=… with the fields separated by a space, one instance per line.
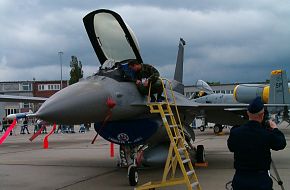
x=144 y=75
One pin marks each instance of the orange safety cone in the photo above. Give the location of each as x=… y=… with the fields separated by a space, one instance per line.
x=45 y=141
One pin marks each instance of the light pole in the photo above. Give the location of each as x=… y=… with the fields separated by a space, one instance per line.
x=60 y=53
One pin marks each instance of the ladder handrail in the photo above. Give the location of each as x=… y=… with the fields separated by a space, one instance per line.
x=166 y=98
x=177 y=146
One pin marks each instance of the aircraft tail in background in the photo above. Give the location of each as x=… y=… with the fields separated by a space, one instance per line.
x=178 y=74
x=276 y=92
x=279 y=91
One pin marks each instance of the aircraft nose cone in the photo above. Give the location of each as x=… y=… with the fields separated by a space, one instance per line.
x=82 y=102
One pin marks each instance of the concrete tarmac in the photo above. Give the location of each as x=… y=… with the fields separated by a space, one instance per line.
x=72 y=163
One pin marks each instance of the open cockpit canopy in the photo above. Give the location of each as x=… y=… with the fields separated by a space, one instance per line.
x=203 y=86
x=111 y=38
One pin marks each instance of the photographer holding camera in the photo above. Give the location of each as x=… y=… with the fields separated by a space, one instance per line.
x=251 y=144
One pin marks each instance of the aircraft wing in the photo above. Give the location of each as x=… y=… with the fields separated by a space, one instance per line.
x=224 y=114
x=25 y=99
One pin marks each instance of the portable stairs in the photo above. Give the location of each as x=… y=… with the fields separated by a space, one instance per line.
x=177 y=154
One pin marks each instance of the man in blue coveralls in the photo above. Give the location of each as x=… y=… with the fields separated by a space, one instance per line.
x=251 y=144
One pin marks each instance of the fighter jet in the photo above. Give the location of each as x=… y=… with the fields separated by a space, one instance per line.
x=276 y=92
x=112 y=102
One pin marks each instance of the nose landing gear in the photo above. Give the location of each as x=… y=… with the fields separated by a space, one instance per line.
x=133 y=175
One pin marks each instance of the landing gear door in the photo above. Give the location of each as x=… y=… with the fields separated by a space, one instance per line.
x=111 y=38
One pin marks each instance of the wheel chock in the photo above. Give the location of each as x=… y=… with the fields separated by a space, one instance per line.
x=202 y=164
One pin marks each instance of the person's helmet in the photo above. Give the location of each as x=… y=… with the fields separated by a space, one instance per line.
x=201 y=93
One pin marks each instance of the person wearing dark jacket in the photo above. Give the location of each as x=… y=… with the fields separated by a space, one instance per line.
x=251 y=144
x=144 y=75
x=4 y=124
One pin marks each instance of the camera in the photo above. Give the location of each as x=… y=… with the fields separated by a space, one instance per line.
x=265 y=122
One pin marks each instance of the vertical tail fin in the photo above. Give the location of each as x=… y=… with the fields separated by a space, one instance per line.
x=279 y=92
x=178 y=74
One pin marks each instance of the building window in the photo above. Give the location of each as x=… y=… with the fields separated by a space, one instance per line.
x=57 y=87
x=9 y=111
x=11 y=87
x=40 y=87
x=44 y=87
x=26 y=87
x=26 y=105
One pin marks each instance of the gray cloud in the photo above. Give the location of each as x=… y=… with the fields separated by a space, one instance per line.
x=240 y=41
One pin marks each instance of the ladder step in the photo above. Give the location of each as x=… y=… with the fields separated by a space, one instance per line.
x=168 y=114
x=190 y=172
x=171 y=126
x=176 y=138
x=185 y=161
x=154 y=111
x=181 y=150
x=194 y=184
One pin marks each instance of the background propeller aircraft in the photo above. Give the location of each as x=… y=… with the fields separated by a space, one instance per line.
x=277 y=92
x=112 y=102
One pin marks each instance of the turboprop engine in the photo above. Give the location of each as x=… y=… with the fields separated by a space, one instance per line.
x=245 y=93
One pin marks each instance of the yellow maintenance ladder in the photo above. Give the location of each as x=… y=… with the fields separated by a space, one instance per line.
x=177 y=154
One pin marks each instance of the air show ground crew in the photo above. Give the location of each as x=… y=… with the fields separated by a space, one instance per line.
x=24 y=126
x=251 y=144
x=144 y=75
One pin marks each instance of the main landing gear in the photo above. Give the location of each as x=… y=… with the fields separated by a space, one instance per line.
x=200 y=154
x=218 y=128
x=202 y=128
x=130 y=158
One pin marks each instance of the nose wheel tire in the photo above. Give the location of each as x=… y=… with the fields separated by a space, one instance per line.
x=133 y=175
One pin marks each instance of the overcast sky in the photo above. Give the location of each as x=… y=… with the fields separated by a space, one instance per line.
x=227 y=41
